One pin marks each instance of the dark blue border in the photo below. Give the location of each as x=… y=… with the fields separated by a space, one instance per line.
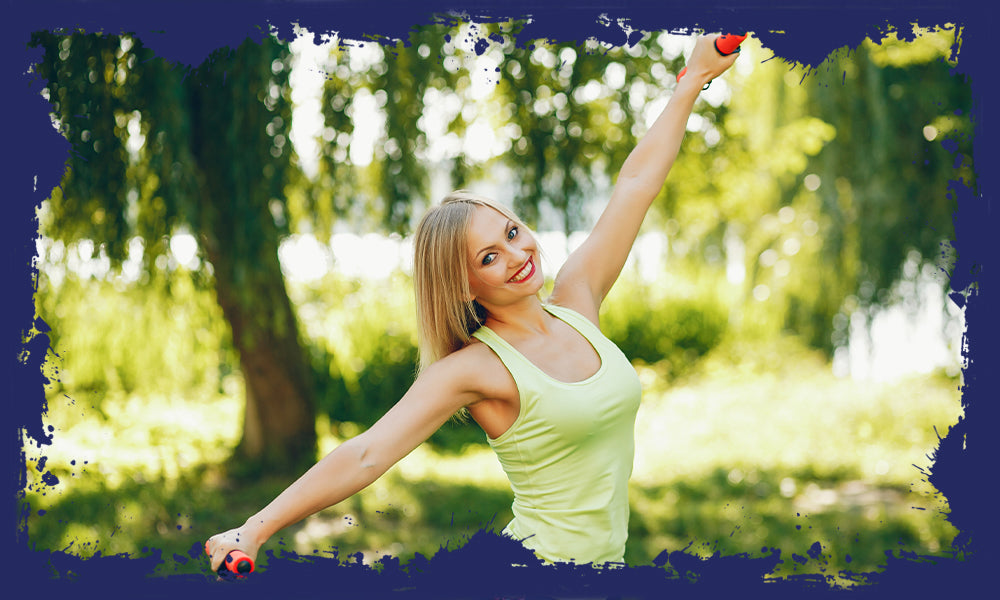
x=186 y=31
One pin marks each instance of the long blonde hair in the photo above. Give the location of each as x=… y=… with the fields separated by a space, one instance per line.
x=447 y=315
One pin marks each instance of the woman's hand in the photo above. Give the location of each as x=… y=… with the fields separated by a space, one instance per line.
x=240 y=538
x=705 y=62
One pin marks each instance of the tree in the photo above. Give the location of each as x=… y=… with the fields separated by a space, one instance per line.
x=903 y=141
x=158 y=149
x=399 y=76
x=770 y=180
x=566 y=113
x=826 y=182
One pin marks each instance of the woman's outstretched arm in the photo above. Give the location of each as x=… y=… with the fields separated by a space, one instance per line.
x=441 y=390
x=593 y=268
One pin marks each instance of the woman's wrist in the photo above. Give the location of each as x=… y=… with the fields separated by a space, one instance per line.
x=256 y=530
x=692 y=83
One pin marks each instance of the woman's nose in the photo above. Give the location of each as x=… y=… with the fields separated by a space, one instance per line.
x=517 y=255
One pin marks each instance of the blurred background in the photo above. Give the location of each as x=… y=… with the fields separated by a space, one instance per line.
x=226 y=267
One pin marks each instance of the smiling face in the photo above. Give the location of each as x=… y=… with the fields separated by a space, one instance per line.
x=471 y=255
x=503 y=261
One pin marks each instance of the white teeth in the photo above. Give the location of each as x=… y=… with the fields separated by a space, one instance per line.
x=522 y=274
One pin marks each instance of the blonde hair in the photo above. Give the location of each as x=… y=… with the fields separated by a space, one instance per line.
x=447 y=315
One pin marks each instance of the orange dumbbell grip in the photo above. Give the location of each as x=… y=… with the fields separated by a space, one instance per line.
x=236 y=562
x=725 y=44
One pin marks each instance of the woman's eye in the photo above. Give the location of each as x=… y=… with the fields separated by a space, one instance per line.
x=488 y=259
x=512 y=233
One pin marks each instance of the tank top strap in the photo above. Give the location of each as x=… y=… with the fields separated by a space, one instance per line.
x=515 y=362
x=579 y=322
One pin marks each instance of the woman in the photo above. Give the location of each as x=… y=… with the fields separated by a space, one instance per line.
x=556 y=399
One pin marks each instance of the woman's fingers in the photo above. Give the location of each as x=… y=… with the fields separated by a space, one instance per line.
x=211 y=547
x=220 y=545
x=705 y=62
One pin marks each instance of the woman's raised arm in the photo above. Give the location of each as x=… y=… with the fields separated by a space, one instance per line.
x=438 y=393
x=593 y=268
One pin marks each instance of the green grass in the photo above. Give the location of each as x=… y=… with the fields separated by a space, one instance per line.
x=742 y=456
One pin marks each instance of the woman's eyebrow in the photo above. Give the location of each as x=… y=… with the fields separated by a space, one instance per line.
x=506 y=228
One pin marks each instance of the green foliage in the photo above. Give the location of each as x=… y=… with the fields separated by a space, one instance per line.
x=575 y=112
x=711 y=514
x=656 y=322
x=110 y=338
x=364 y=345
x=734 y=458
x=811 y=189
x=568 y=114
x=88 y=79
x=410 y=70
x=400 y=75
x=808 y=458
x=822 y=183
x=363 y=350
x=159 y=150
x=362 y=339
x=155 y=146
x=903 y=141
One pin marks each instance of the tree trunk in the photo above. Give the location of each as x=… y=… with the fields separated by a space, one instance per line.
x=279 y=427
x=238 y=174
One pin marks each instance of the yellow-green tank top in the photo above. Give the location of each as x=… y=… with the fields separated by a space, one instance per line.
x=569 y=453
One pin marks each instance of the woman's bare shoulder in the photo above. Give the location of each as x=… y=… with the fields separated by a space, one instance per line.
x=476 y=368
x=575 y=296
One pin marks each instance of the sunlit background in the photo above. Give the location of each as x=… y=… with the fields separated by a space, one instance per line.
x=786 y=305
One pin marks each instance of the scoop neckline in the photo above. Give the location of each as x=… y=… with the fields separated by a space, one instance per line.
x=600 y=355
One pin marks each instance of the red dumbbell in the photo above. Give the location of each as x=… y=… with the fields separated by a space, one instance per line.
x=236 y=562
x=725 y=44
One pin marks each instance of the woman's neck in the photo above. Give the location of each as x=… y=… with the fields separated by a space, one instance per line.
x=526 y=318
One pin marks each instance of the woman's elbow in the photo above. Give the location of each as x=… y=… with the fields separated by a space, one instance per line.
x=363 y=458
